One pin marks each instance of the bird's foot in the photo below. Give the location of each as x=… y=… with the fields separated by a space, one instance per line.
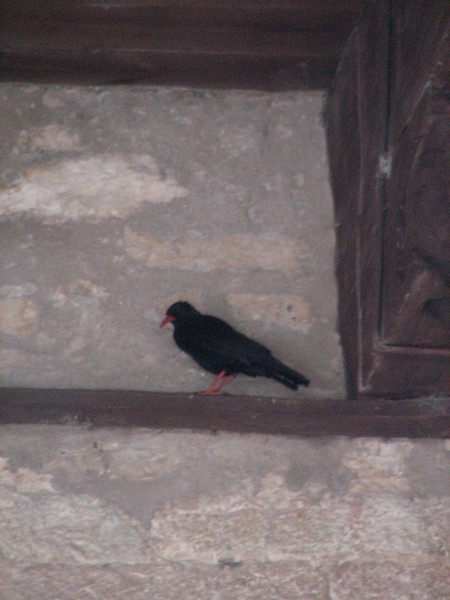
x=209 y=392
x=215 y=389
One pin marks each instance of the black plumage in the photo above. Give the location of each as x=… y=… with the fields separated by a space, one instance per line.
x=219 y=348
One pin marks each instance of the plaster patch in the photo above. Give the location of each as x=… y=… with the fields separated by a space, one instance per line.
x=378 y=466
x=234 y=252
x=53 y=138
x=12 y=358
x=98 y=187
x=55 y=98
x=277 y=524
x=52 y=528
x=136 y=463
x=78 y=287
x=284 y=310
x=209 y=531
x=18 y=316
x=41 y=525
x=24 y=481
x=18 y=291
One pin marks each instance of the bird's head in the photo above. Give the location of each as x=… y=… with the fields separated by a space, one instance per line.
x=178 y=312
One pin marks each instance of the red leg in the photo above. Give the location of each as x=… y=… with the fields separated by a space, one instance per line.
x=211 y=390
x=224 y=382
x=217 y=385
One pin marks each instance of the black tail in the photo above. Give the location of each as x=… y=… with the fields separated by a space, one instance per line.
x=288 y=377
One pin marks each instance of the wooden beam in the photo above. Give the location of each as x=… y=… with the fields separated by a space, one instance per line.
x=417 y=418
x=274 y=45
x=131 y=67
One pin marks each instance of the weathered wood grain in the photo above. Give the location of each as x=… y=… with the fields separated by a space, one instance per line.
x=388 y=150
x=271 y=45
x=116 y=408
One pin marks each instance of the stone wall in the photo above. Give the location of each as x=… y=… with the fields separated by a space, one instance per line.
x=116 y=201
x=135 y=514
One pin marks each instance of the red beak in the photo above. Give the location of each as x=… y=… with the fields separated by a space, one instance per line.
x=168 y=319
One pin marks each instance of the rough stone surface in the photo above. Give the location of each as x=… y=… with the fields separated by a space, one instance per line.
x=137 y=514
x=114 y=203
x=290 y=581
x=386 y=581
x=117 y=201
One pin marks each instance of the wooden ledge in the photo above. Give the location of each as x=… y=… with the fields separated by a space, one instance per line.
x=416 y=418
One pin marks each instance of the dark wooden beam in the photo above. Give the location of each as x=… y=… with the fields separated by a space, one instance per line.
x=272 y=45
x=418 y=418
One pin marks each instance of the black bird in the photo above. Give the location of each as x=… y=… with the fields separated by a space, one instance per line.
x=219 y=348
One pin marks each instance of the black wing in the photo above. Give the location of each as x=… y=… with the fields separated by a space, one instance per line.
x=216 y=346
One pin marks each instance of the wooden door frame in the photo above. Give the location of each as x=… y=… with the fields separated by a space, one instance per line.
x=358 y=117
